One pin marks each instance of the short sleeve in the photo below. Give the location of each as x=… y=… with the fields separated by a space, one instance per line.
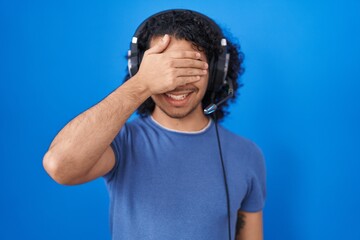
x=117 y=146
x=254 y=200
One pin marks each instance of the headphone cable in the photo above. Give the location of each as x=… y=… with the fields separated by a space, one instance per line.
x=225 y=177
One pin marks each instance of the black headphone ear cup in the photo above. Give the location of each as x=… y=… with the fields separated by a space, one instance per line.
x=133 y=58
x=132 y=66
x=212 y=75
x=219 y=72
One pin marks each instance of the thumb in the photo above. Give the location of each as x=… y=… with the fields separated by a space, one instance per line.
x=161 y=45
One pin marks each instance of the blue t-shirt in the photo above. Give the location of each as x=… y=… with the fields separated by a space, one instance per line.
x=169 y=185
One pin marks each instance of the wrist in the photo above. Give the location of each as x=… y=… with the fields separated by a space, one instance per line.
x=136 y=90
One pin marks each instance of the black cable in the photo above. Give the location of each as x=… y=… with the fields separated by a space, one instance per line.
x=225 y=178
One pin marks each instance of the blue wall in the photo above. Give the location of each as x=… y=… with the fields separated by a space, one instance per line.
x=300 y=104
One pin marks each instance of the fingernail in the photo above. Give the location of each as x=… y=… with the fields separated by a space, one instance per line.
x=198 y=55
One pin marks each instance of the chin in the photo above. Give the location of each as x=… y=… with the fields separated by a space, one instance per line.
x=178 y=113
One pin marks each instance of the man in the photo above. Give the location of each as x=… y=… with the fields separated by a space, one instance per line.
x=172 y=173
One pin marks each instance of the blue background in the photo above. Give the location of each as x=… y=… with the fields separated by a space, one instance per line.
x=300 y=104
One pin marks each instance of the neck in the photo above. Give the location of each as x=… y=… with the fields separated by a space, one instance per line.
x=194 y=121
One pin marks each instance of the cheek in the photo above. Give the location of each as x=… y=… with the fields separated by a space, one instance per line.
x=204 y=82
x=155 y=98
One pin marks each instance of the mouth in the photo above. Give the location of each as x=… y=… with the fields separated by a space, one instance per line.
x=177 y=97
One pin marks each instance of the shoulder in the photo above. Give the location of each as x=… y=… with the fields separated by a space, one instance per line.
x=133 y=126
x=243 y=144
x=243 y=152
x=137 y=129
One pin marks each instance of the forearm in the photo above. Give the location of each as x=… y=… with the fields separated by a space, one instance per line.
x=80 y=144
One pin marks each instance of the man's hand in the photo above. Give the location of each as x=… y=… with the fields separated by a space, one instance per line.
x=161 y=71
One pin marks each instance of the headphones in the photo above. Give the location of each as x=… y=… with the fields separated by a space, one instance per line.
x=218 y=66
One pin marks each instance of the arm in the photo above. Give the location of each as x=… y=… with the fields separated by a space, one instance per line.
x=249 y=226
x=81 y=150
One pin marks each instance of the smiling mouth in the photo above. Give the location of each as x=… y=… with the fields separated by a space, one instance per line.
x=177 y=97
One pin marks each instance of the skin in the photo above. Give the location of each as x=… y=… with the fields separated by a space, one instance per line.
x=252 y=226
x=81 y=151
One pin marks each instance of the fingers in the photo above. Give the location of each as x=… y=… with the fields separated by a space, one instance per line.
x=185 y=55
x=181 y=81
x=188 y=63
x=160 y=46
x=183 y=76
x=181 y=72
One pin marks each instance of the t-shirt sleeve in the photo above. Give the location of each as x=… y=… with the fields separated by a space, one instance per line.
x=254 y=200
x=117 y=146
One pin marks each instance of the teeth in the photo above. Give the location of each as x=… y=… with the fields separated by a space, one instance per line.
x=177 y=97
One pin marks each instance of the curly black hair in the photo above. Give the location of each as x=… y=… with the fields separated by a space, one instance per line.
x=198 y=29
